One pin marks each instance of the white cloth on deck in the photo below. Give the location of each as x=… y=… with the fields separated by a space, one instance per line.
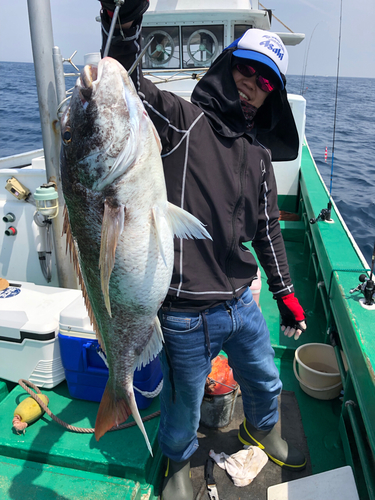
x=242 y=466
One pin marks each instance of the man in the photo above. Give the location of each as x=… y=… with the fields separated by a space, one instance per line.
x=217 y=164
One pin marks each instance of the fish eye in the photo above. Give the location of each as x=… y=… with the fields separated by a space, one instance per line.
x=67 y=136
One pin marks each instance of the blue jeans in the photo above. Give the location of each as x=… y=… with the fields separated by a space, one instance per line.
x=192 y=340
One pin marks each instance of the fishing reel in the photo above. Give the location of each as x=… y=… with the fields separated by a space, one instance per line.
x=325 y=214
x=367 y=286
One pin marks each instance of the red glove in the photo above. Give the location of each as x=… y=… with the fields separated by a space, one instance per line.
x=292 y=316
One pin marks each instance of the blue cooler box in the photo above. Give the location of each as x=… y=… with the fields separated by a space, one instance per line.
x=85 y=371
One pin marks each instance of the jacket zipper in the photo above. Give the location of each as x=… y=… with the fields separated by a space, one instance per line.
x=234 y=217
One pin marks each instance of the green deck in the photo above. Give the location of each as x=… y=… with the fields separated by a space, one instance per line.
x=50 y=462
x=119 y=461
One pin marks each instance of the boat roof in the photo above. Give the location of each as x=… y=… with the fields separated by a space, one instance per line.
x=159 y=6
x=186 y=12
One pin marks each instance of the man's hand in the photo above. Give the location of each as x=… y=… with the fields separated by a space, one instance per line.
x=129 y=10
x=292 y=316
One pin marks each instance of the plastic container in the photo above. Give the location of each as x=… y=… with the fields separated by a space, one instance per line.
x=85 y=371
x=318 y=372
x=256 y=287
x=220 y=380
x=92 y=58
x=29 y=325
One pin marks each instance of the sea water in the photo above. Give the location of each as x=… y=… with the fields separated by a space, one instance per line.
x=353 y=178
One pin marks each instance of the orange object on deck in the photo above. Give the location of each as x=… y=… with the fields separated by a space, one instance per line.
x=220 y=380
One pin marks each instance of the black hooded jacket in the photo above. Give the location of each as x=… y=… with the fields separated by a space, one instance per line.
x=217 y=95
x=223 y=176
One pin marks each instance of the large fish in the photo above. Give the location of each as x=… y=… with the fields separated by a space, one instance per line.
x=119 y=227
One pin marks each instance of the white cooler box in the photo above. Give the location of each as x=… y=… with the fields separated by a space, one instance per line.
x=29 y=326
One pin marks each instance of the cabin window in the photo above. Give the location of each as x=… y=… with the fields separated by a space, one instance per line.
x=239 y=30
x=164 y=51
x=201 y=45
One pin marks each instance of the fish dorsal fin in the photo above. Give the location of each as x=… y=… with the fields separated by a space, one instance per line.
x=157 y=223
x=112 y=226
x=153 y=347
x=185 y=225
x=72 y=248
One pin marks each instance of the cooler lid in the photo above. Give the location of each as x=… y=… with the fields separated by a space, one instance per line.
x=75 y=321
x=32 y=311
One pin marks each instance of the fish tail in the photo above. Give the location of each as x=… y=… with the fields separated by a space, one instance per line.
x=138 y=420
x=114 y=410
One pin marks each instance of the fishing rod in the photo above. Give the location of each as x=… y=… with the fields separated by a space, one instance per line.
x=302 y=91
x=325 y=214
x=119 y=3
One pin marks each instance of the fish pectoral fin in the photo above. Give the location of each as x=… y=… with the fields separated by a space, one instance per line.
x=112 y=226
x=185 y=225
x=157 y=224
x=158 y=330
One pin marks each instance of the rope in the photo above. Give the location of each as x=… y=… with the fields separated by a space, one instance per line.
x=277 y=19
x=25 y=384
x=153 y=394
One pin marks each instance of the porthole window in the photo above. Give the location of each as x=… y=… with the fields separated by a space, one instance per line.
x=201 y=45
x=164 y=51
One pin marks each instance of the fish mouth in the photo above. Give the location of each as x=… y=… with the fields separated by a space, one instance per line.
x=89 y=75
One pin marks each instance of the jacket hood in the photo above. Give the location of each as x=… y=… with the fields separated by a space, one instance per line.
x=217 y=95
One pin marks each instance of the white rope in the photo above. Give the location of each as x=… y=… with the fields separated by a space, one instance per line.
x=152 y=394
x=146 y=394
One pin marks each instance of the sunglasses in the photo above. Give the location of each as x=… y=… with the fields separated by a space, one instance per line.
x=249 y=71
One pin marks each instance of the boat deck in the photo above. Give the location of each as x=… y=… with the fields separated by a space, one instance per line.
x=49 y=462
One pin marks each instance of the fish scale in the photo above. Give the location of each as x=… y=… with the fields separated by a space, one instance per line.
x=120 y=227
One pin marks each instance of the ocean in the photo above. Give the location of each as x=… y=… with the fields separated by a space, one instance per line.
x=353 y=180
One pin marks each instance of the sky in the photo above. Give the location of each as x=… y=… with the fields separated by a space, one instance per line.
x=75 y=28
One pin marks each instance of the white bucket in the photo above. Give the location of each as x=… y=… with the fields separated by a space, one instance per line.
x=318 y=372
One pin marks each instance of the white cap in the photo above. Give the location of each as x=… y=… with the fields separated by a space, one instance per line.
x=264 y=47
